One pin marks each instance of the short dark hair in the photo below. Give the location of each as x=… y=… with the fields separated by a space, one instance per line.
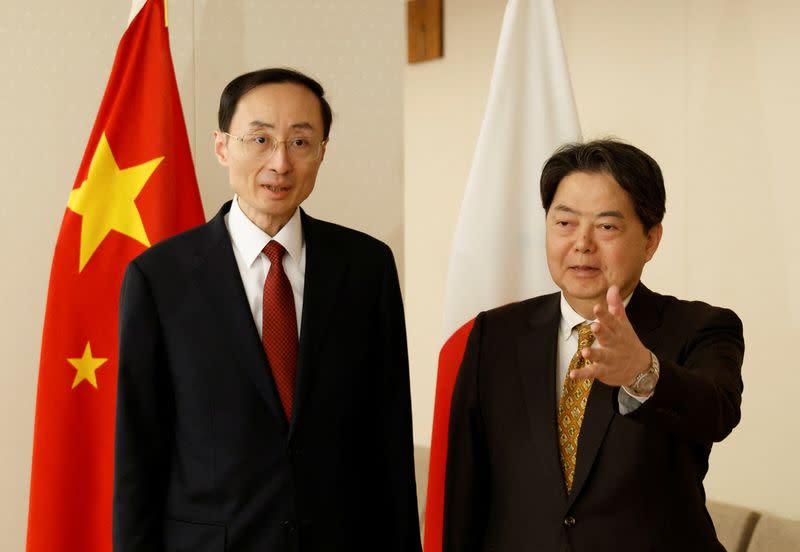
x=635 y=171
x=243 y=84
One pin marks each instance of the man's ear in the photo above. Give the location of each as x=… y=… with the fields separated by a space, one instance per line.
x=221 y=147
x=653 y=239
x=323 y=148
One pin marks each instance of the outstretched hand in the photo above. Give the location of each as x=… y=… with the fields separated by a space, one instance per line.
x=619 y=355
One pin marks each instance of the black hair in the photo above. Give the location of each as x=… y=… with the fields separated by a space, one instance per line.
x=242 y=84
x=636 y=172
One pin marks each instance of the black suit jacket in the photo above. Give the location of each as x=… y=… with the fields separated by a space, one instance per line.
x=639 y=478
x=204 y=458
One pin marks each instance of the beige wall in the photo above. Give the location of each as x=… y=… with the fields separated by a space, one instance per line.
x=56 y=57
x=356 y=49
x=53 y=77
x=709 y=88
x=444 y=103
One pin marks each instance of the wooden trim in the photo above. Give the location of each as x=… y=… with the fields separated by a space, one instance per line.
x=424 y=20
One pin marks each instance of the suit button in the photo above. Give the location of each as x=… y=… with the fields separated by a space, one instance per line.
x=569 y=521
x=289 y=526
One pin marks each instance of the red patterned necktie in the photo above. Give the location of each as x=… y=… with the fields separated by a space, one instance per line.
x=279 y=326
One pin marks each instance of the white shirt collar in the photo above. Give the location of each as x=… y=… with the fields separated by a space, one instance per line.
x=570 y=318
x=250 y=240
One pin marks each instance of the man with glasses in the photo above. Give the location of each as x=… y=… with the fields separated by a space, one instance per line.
x=263 y=394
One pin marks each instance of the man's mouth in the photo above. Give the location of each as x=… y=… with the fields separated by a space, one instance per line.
x=275 y=188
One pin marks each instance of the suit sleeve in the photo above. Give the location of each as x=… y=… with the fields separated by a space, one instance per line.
x=466 y=492
x=397 y=433
x=699 y=395
x=143 y=422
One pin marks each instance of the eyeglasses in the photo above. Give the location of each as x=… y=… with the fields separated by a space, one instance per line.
x=264 y=145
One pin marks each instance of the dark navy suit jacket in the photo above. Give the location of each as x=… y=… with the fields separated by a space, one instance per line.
x=205 y=460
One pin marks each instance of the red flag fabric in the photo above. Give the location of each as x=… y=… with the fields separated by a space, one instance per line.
x=498 y=248
x=136 y=186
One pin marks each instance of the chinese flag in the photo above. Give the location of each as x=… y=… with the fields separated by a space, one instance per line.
x=498 y=248
x=135 y=186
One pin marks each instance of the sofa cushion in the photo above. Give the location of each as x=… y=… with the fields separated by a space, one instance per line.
x=775 y=534
x=734 y=524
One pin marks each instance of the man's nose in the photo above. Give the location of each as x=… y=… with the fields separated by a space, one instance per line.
x=279 y=161
x=585 y=240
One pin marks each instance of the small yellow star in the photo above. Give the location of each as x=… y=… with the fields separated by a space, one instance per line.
x=106 y=198
x=86 y=367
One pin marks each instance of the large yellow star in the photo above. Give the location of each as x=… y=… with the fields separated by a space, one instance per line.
x=86 y=367
x=105 y=200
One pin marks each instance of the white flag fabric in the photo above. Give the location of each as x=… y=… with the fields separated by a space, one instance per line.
x=498 y=251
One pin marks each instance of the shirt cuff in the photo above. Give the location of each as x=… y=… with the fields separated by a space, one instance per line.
x=629 y=402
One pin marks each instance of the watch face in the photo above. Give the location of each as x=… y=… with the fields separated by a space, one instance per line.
x=647 y=383
x=647 y=380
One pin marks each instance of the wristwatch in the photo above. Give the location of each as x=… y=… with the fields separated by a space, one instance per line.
x=645 y=382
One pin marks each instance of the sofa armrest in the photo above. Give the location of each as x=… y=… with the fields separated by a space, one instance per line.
x=734 y=524
x=775 y=534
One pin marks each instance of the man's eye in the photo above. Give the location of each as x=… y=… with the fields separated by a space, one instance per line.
x=261 y=140
x=607 y=226
x=300 y=143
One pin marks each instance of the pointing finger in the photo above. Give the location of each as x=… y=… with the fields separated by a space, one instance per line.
x=595 y=355
x=583 y=373
x=603 y=335
x=604 y=319
x=614 y=301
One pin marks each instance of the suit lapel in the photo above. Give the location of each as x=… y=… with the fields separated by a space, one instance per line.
x=219 y=279
x=645 y=311
x=598 y=415
x=536 y=360
x=325 y=271
x=645 y=316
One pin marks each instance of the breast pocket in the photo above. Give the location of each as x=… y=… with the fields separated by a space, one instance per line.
x=190 y=536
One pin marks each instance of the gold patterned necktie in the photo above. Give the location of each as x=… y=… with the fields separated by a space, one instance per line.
x=572 y=406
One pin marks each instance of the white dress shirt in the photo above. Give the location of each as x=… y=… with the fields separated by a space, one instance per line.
x=248 y=242
x=568 y=344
